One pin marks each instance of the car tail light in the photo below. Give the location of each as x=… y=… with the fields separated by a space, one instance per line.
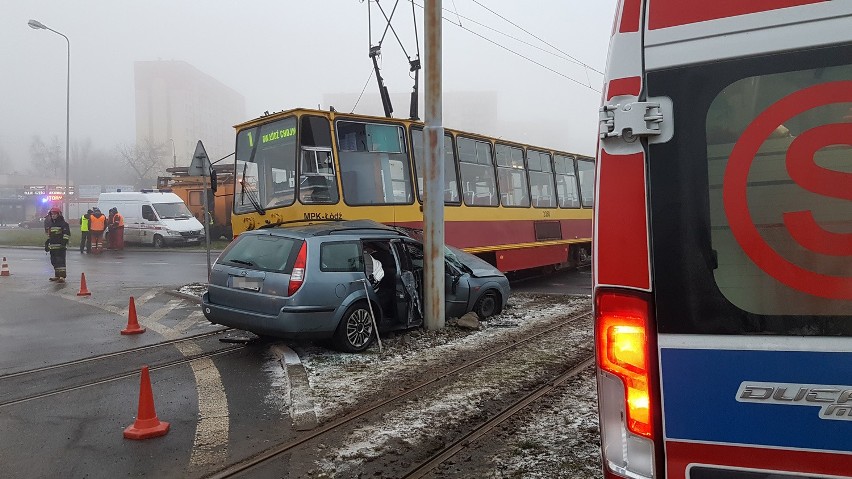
x=625 y=359
x=297 y=277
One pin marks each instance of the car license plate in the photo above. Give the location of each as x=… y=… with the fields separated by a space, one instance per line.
x=192 y=240
x=240 y=282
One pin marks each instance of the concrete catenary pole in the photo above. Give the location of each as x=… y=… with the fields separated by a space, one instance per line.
x=433 y=205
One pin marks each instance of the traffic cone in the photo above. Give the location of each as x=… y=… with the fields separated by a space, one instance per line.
x=83 y=290
x=4 y=270
x=147 y=424
x=132 y=323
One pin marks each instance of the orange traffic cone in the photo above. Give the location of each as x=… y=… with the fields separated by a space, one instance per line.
x=132 y=323
x=147 y=424
x=4 y=270
x=83 y=290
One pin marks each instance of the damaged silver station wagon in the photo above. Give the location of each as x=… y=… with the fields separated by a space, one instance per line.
x=316 y=282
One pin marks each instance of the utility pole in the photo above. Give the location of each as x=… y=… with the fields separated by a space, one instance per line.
x=433 y=204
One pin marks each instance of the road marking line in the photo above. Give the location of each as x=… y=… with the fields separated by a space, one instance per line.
x=211 y=435
x=190 y=321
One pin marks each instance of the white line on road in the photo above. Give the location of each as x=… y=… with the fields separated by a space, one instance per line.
x=211 y=435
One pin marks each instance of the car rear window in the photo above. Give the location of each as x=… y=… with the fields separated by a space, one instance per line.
x=264 y=252
x=341 y=257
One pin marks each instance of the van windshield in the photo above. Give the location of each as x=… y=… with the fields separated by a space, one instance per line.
x=172 y=210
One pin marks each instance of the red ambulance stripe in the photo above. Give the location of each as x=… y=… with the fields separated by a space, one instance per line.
x=670 y=13
x=630 y=16
x=622 y=224
x=624 y=86
x=680 y=454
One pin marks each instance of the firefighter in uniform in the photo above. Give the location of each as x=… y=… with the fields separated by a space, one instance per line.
x=85 y=238
x=58 y=236
x=97 y=225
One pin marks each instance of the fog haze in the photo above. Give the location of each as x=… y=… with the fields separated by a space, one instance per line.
x=287 y=54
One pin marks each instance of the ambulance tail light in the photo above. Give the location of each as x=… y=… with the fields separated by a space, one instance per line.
x=626 y=359
x=297 y=276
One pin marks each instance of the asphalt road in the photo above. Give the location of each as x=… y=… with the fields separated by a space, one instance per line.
x=63 y=417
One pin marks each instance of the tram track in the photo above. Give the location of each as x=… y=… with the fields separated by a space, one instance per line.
x=485 y=428
x=249 y=465
x=75 y=362
x=86 y=372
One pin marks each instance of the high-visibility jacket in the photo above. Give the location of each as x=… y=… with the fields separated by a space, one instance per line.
x=97 y=222
x=118 y=220
x=84 y=223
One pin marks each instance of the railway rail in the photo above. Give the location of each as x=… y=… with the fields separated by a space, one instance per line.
x=248 y=466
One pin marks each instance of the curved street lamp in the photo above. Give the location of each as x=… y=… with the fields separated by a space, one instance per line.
x=36 y=25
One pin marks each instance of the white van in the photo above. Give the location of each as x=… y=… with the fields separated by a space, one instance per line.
x=154 y=217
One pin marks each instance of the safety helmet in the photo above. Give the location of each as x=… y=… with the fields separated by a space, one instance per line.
x=55 y=209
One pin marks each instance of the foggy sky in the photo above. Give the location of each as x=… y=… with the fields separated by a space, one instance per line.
x=283 y=54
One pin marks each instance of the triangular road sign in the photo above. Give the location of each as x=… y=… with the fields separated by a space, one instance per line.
x=200 y=164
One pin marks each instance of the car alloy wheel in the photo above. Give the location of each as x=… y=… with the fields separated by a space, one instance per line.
x=355 y=332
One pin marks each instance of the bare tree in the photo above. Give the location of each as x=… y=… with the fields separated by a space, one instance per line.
x=47 y=158
x=146 y=159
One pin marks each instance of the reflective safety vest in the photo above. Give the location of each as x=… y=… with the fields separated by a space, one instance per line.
x=84 y=223
x=97 y=223
x=118 y=220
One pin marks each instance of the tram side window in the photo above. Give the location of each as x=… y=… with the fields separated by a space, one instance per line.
x=586 y=173
x=451 y=184
x=374 y=166
x=479 y=185
x=566 y=182
x=511 y=176
x=542 y=189
x=267 y=156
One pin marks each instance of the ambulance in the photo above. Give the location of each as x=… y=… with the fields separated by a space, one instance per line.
x=723 y=241
x=154 y=217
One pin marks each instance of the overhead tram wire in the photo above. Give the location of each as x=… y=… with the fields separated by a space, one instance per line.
x=534 y=36
x=589 y=86
x=561 y=54
x=362 y=91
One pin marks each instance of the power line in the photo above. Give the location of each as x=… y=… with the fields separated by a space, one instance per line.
x=534 y=36
x=516 y=53
x=362 y=91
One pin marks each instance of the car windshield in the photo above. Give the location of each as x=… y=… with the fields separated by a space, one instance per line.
x=265 y=252
x=172 y=210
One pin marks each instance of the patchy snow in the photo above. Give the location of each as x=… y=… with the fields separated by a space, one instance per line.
x=193 y=289
x=555 y=437
x=341 y=381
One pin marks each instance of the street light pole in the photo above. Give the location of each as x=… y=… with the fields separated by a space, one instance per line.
x=174 y=154
x=36 y=25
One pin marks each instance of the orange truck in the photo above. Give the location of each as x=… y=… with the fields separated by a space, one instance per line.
x=191 y=190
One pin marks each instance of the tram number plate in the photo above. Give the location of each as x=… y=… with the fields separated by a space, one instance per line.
x=246 y=283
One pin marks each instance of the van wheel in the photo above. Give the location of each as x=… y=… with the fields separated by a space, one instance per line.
x=487 y=305
x=355 y=332
x=159 y=242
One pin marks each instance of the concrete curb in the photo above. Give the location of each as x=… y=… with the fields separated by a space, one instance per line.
x=189 y=297
x=302 y=410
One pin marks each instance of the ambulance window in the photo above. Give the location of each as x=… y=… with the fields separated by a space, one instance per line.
x=779 y=166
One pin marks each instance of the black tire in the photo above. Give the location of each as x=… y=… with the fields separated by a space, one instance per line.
x=159 y=242
x=355 y=331
x=487 y=305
